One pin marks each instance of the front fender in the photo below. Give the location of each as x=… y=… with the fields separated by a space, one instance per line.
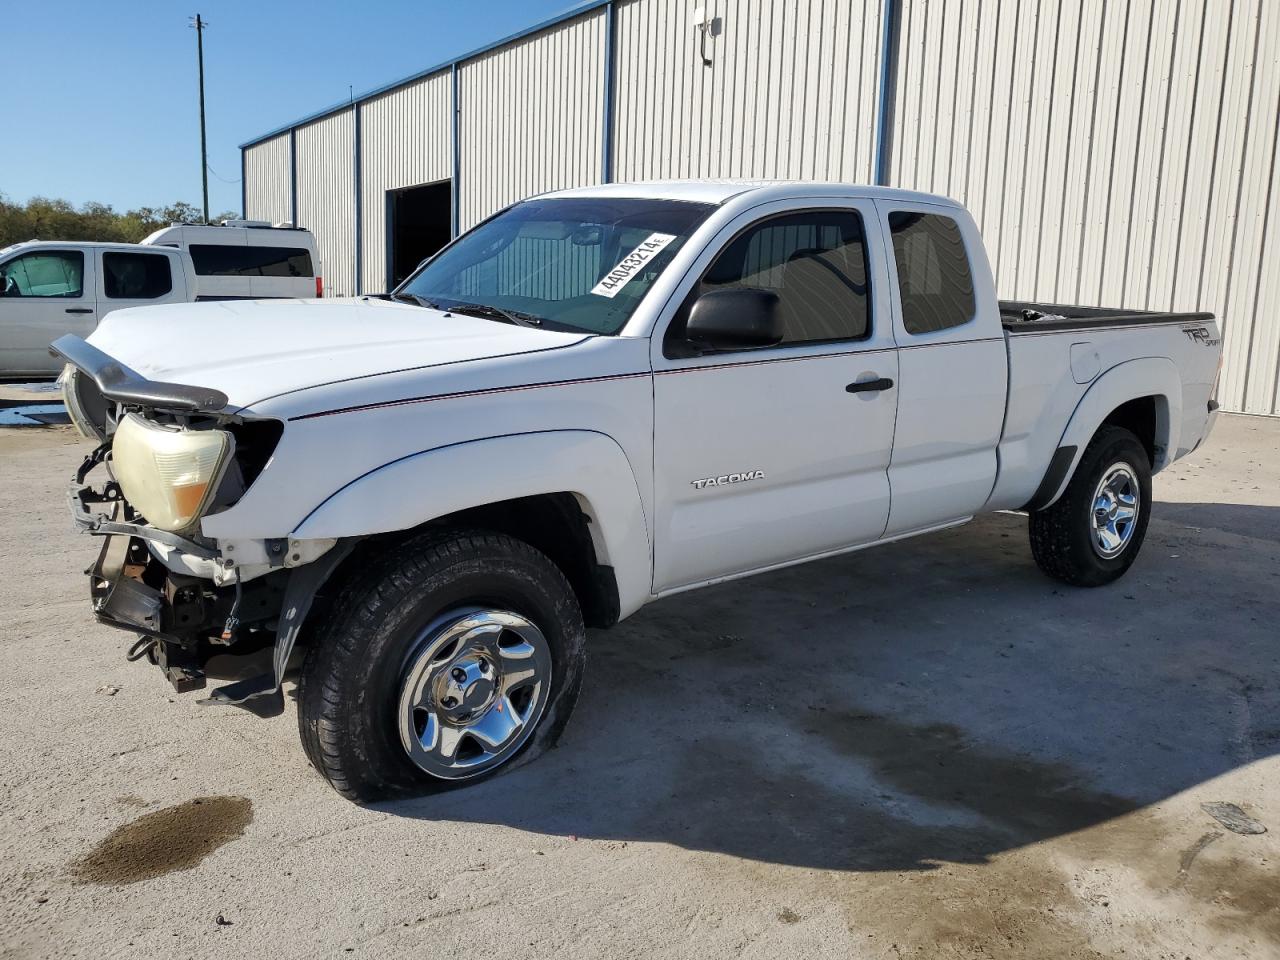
x=1147 y=377
x=434 y=483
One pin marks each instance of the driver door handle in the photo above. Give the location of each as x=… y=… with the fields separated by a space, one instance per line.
x=870 y=386
x=79 y=310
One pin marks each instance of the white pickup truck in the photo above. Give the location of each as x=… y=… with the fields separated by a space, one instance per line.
x=592 y=400
x=49 y=288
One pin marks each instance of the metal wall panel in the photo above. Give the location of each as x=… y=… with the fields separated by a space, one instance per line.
x=406 y=141
x=531 y=117
x=791 y=90
x=1114 y=152
x=266 y=180
x=327 y=197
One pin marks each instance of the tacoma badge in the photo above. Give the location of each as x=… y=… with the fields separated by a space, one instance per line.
x=728 y=478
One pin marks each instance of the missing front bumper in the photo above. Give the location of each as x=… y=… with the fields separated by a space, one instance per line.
x=122 y=599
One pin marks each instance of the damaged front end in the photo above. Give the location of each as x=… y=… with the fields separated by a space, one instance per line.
x=169 y=456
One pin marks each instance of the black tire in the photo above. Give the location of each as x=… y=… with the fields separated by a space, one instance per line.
x=1062 y=539
x=351 y=678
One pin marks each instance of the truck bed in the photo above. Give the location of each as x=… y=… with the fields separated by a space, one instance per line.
x=1024 y=316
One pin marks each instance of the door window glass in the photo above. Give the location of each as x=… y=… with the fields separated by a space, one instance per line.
x=136 y=276
x=45 y=274
x=815 y=261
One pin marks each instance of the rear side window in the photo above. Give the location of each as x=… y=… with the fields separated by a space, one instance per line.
x=933 y=272
x=46 y=274
x=136 y=276
x=216 y=260
x=816 y=262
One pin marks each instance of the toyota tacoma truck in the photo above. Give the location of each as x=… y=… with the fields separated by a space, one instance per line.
x=414 y=505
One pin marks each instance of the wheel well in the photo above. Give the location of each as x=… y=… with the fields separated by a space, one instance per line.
x=1138 y=416
x=555 y=524
x=552 y=523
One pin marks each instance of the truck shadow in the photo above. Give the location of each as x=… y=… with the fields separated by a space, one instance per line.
x=931 y=701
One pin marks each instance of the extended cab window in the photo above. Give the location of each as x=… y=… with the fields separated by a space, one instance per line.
x=933 y=272
x=815 y=261
x=45 y=274
x=219 y=260
x=136 y=276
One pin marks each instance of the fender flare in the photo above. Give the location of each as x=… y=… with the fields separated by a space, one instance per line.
x=439 y=481
x=1146 y=377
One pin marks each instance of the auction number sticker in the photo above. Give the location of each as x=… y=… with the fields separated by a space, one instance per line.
x=630 y=265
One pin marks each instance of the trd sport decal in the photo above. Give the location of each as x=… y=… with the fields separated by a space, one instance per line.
x=1201 y=335
x=728 y=478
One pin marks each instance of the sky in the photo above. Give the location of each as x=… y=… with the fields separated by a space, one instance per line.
x=101 y=98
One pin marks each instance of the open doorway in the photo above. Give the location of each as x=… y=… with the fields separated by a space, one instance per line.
x=418 y=224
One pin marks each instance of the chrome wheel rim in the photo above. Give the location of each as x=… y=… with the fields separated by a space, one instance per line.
x=473 y=692
x=1114 y=514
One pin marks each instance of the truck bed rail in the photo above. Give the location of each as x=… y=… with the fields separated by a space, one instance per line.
x=1025 y=316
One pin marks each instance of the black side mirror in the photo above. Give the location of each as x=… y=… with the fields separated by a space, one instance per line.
x=734 y=319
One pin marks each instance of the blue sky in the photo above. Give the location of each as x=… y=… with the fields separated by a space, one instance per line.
x=101 y=97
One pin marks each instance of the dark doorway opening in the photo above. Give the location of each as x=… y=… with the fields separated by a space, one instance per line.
x=418 y=224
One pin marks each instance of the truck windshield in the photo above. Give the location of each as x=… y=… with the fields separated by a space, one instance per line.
x=580 y=263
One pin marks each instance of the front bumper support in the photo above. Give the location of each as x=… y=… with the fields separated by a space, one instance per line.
x=82 y=499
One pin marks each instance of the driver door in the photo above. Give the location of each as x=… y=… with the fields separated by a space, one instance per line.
x=770 y=455
x=47 y=293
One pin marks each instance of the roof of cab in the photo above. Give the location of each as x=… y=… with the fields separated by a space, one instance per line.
x=719 y=191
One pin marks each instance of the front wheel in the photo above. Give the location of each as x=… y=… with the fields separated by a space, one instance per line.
x=454 y=656
x=1092 y=535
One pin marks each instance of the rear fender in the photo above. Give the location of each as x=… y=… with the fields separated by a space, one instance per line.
x=1148 y=377
x=413 y=490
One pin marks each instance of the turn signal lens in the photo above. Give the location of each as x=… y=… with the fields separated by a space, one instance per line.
x=168 y=474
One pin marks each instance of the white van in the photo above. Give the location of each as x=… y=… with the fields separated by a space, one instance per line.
x=247 y=259
x=48 y=289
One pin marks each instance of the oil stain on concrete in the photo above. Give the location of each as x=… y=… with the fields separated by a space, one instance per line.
x=165 y=841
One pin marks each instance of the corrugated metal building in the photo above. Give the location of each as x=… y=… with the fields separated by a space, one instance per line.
x=1115 y=152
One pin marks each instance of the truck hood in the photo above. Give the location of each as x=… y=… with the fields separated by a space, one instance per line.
x=254 y=349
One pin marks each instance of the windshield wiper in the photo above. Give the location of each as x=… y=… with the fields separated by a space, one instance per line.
x=415 y=299
x=497 y=313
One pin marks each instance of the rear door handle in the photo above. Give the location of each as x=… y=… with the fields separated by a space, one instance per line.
x=870 y=386
x=79 y=310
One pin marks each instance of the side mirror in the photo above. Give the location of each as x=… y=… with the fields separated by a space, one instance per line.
x=734 y=319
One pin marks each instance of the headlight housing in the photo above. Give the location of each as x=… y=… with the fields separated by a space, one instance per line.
x=85 y=404
x=169 y=474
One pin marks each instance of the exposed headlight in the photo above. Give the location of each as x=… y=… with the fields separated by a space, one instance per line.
x=168 y=474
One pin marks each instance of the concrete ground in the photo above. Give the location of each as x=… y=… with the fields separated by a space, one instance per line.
x=926 y=750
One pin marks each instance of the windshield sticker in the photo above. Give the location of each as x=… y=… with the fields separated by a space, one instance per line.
x=630 y=265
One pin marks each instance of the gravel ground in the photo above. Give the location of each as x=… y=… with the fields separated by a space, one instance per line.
x=927 y=750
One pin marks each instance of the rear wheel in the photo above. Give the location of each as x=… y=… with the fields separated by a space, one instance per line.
x=1092 y=535
x=457 y=655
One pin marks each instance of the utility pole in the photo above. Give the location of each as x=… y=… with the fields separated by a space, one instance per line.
x=204 y=148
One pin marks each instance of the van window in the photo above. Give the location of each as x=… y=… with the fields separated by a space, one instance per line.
x=933 y=272
x=217 y=260
x=136 y=276
x=45 y=274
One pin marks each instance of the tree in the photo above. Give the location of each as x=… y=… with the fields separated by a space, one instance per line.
x=41 y=218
